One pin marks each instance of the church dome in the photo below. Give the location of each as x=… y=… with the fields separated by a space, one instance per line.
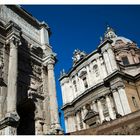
x=120 y=40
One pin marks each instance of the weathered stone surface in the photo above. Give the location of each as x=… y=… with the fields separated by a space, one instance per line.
x=28 y=103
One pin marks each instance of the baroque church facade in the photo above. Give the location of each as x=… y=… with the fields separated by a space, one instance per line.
x=28 y=103
x=101 y=86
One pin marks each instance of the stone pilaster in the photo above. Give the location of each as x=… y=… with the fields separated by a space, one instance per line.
x=88 y=76
x=94 y=106
x=117 y=101
x=66 y=124
x=124 y=100
x=52 y=96
x=100 y=109
x=1 y=103
x=83 y=116
x=112 y=59
x=107 y=62
x=100 y=69
x=78 y=121
x=109 y=106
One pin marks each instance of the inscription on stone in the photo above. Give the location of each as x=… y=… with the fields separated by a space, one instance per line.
x=7 y=15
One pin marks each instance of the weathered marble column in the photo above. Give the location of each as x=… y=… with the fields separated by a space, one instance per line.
x=109 y=106
x=100 y=109
x=12 y=82
x=52 y=96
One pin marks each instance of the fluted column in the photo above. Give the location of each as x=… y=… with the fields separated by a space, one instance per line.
x=109 y=106
x=52 y=95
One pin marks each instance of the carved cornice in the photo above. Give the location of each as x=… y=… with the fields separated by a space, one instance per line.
x=13 y=29
x=49 y=61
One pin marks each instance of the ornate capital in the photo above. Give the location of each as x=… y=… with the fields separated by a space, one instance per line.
x=13 y=40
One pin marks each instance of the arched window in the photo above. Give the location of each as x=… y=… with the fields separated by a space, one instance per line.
x=96 y=70
x=125 y=60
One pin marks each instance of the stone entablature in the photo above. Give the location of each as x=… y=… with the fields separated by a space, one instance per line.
x=28 y=102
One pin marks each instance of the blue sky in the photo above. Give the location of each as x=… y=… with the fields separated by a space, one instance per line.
x=80 y=26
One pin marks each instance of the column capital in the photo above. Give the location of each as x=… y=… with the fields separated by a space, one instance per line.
x=121 y=87
x=114 y=90
x=13 y=40
x=50 y=60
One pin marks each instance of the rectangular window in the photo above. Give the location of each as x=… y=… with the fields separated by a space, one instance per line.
x=85 y=82
x=125 y=60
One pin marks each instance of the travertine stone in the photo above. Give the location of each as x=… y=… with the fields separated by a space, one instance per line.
x=12 y=76
x=52 y=95
x=107 y=62
x=100 y=109
x=112 y=59
x=124 y=100
x=118 y=103
x=111 y=114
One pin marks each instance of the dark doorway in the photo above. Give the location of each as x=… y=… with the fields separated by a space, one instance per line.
x=27 y=123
